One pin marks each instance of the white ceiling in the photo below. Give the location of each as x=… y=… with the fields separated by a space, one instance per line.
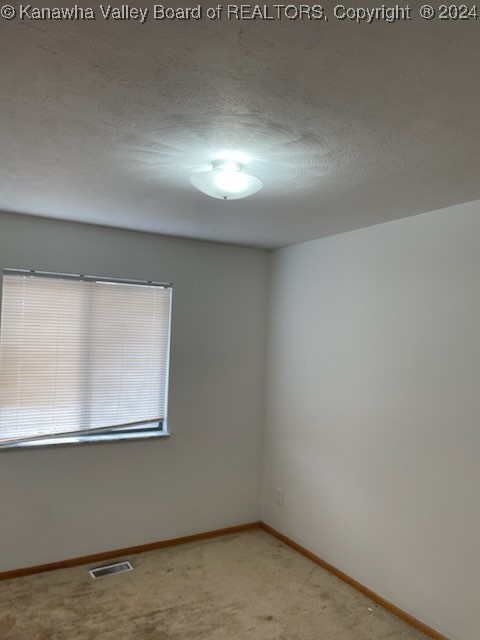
x=348 y=125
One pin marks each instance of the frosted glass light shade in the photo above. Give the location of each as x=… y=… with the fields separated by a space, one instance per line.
x=226 y=181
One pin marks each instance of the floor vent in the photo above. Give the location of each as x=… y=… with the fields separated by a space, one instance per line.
x=120 y=567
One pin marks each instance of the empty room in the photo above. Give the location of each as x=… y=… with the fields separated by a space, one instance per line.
x=240 y=321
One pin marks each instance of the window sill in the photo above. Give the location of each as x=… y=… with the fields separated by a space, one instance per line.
x=85 y=440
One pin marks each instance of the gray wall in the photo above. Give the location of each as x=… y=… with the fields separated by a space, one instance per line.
x=373 y=410
x=65 y=502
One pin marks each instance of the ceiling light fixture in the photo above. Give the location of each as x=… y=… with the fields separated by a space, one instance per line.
x=226 y=180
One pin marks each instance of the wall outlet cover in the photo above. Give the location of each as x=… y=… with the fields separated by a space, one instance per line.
x=279 y=496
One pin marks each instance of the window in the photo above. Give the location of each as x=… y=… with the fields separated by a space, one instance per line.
x=82 y=359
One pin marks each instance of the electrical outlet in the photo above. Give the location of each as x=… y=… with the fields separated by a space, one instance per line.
x=279 y=496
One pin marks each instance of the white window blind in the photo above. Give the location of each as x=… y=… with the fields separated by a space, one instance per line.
x=81 y=356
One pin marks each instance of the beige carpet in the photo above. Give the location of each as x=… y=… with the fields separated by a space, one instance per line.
x=244 y=586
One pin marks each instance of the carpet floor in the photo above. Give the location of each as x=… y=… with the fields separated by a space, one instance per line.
x=243 y=586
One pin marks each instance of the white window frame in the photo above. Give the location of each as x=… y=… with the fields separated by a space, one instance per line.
x=138 y=431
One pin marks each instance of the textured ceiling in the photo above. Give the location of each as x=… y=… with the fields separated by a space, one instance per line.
x=347 y=125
